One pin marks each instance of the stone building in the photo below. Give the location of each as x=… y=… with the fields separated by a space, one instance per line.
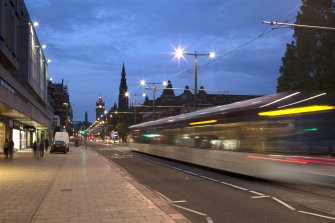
x=169 y=104
x=123 y=100
x=99 y=108
x=59 y=100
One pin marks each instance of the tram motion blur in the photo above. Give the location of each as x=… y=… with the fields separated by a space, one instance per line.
x=273 y=137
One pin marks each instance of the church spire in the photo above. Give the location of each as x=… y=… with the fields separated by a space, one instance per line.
x=123 y=100
x=123 y=73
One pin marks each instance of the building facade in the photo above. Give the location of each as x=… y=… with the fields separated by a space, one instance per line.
x=25 y=113
x=169 y=104
x=59 y=100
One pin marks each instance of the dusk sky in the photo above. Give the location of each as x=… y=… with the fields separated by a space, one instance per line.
x=88 y=41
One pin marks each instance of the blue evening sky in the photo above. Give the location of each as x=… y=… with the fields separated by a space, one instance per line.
x=88 y=41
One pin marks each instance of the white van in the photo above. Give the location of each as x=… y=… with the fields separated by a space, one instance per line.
x=63 y=136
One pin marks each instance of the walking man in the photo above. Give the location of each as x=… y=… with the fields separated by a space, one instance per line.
x=10 y=148
x=35 y=149
x=46 y=144
x=41 y=148
x=5 y=149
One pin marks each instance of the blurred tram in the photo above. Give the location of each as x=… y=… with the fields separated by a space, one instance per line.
x=286 y=136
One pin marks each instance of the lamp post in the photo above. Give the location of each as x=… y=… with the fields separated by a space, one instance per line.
x=127 y=94
x=179 y=53
x=154 y=89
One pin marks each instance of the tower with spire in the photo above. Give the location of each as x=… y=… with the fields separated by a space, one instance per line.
x=99 y=108
x=86 y=117
x=123 y=100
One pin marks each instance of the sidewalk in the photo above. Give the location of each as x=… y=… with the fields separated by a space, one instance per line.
x=81 y=186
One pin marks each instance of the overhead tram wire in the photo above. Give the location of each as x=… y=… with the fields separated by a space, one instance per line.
x=246 y=43
x=187 y=72
x=265 y=32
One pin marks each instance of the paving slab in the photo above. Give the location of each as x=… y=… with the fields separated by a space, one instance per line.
x=80 y=186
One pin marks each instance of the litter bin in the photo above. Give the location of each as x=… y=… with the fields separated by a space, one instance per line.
x=76 y=142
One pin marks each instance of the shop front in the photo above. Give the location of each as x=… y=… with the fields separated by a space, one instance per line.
x=23 y=136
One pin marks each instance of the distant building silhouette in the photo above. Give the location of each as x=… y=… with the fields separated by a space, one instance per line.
x=123 y=100
x=168 y=104
x=59 y=100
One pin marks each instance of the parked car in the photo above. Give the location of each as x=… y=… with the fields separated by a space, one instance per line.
x=58 y=146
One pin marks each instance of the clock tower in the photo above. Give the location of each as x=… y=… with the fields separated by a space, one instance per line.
x=99 y=108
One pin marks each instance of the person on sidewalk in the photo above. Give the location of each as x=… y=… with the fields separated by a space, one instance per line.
x=5 y=149
x=35 y=149
x=41 y=148
x=10 y=148
x=46 y=144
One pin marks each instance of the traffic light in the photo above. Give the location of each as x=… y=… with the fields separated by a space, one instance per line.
x=82 y=130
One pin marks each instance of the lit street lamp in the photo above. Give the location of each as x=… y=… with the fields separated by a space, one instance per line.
x=154 y=89
x=35 y=24
x=127 y=94
x=179 y=53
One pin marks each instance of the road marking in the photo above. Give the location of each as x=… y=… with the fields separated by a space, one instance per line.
x=181 y=201
x=264 y=196
x=322 y=216
x=190 y=210
x=176 y=168
x=209 y=220
x=257 y=193
x=163 y=196
x=185 y=171
x=207 y=178
x=232 y=185
x=283 y=203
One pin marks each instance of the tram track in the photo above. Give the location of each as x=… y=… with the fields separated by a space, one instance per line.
x=277 y=194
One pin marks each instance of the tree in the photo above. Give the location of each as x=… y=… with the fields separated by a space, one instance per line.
x=309 y=61
x=122 y=129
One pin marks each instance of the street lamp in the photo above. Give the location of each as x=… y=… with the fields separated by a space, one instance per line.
x=35 y=24
x=179 y=53
x=154 y=89
x=127 y=94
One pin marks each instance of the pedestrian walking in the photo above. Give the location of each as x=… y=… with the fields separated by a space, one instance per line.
x=41 y=148
x=10 y=148
x=35 y=150
x=5 y=149
x=46 y=144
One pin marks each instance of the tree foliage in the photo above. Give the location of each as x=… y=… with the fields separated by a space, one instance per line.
x=309 y=61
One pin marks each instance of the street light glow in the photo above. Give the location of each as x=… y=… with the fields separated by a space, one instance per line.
x=36 y=24
x=165 y=83
x=44 y=46
x=142 y=82
x=126 y=94
x=179 y=53
x=212 y=54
